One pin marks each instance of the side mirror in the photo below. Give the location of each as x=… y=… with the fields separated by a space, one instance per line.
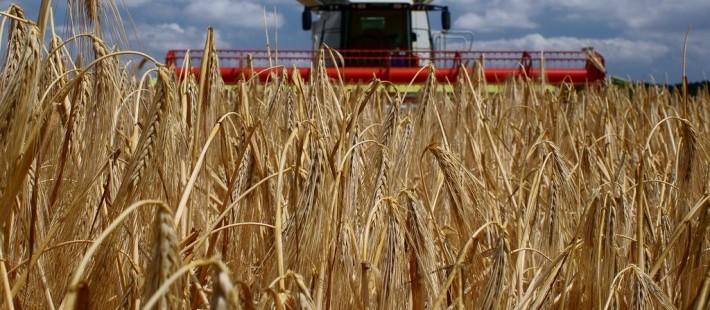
x=445 y=20
x=306 y=19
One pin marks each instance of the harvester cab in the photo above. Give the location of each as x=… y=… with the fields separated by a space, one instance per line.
x=392 y=40
x=372 y=33
x=401 y=25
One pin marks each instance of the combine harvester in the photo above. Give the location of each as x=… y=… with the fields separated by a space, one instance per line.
x=392 y=40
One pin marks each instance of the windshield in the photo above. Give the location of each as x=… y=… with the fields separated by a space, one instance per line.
x=378 y=29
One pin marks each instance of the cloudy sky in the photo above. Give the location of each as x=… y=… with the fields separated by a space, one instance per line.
x=640 y=39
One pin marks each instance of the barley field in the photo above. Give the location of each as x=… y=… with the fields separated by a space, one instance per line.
x=147 y=191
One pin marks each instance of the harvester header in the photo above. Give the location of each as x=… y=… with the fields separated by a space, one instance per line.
x=392 y=40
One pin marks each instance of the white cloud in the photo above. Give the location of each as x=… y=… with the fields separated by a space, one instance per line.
x=496 y=15
x=494 y=20
x=637 y=15
x=626 y=16
x=234 y=13
x=616 y=49
x=162 y=37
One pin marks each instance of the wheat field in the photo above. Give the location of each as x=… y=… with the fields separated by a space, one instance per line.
x=132 y=191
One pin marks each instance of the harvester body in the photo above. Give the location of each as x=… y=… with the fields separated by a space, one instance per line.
x=392 y=41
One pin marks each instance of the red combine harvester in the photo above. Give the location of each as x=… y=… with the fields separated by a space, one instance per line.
x=392 y=40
